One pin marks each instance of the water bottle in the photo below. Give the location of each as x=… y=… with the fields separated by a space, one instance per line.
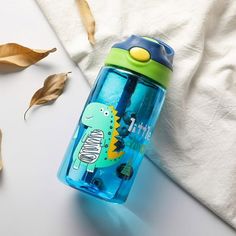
x=117 y=121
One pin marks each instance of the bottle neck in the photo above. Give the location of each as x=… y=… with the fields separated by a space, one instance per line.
x=136 y=75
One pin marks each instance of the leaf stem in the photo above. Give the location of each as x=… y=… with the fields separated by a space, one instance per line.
x=26 y=112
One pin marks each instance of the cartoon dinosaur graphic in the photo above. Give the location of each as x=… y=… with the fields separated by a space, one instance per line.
x=97 y=147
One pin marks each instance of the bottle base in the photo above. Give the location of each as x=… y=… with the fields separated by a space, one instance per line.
x=95 y=190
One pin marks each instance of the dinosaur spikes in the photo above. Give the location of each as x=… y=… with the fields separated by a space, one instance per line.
x=115 y=141
x=112 y=154
x=112 y=147
x=117 y=118
x=115 y=133
x=113 y=110
x=116 y=125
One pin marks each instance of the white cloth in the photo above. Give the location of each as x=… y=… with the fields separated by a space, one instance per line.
x=195 y=141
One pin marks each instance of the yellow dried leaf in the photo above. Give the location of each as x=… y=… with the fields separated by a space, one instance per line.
x=87 y=19
x=51 y=90
x=1 y=150
x=19 y=56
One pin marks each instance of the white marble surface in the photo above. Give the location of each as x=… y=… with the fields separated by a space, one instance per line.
x=32 y=200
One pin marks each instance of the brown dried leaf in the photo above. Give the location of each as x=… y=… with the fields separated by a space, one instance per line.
x=51 y=90
x=19 y=56
x=1 y=150
x=87 y=19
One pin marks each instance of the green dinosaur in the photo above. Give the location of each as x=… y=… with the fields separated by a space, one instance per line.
x=96 y=149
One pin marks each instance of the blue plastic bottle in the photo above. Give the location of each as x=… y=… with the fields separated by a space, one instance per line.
x=118 y=119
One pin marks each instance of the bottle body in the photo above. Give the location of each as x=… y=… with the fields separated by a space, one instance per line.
x=108 y=145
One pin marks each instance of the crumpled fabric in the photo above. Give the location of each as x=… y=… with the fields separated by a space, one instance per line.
x=195 y=139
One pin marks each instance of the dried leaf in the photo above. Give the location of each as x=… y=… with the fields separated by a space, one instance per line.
x=51 y=90
x=1 y=150
x=87 y=19
x=19 y=56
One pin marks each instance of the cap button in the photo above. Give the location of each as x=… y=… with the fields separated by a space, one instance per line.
x=139 y=54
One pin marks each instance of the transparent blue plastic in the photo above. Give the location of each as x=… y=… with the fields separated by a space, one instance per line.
x=138 y=102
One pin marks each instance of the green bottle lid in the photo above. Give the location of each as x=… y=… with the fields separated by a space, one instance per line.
x=149 y=57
